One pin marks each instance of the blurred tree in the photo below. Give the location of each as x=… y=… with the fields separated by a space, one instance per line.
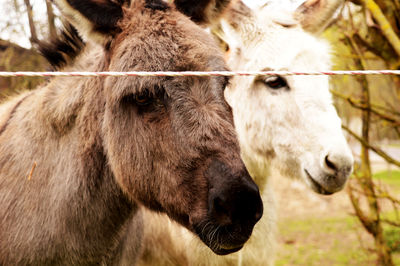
x=369 y=34
x=13 y=57
x=32 y=27
x=383 y=31
x=51 y=20
x=16 y=58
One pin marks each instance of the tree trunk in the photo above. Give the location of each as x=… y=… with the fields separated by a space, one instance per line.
x=371 y=221
x=33 y=39
x=384 y=24
x=51 y=20
x=384 y=41
x=16 y=6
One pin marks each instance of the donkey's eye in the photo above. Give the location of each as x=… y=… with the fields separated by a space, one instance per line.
x=143 y=98
x=146 y=100
x=275 y=82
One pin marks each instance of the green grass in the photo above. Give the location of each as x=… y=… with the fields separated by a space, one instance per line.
x=328 y=241
x=337 y=240
x=392 y=236
x=392 y=233
x=389 y=177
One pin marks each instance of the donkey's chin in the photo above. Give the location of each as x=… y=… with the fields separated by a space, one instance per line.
x=221 y=239
x=226 y=251
x=221 y=249
x=318 y=187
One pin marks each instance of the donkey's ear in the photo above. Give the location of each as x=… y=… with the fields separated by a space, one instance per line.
x=202 y=11
x=94 y=19
x=237 y=25
x=315 y=15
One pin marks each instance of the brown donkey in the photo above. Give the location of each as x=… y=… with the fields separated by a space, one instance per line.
x=78 y=155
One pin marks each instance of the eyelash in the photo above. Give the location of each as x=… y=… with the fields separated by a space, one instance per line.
x=145 y=98
x=275 y=82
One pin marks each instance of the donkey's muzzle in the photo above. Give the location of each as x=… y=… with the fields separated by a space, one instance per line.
x=335 y=168
x=234 y=206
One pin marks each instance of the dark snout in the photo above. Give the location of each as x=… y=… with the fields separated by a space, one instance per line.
x=234 y=207
x=233 y=197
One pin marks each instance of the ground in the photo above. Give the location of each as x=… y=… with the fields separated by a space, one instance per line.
x=322 y=230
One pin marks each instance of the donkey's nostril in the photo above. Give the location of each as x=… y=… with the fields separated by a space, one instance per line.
x=339 y=163
x=234 y=198
x=250 y=205
x=231 y=207
x=330 y=163
x=220 y=210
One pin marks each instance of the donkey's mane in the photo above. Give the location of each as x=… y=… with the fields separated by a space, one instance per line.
x=64 y=49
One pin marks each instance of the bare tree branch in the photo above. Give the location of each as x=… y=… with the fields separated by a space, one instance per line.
x=384 y=24
x=34 y=38
x=378 y=151
x=51 y=20
x=391 y=222
x=357 y=104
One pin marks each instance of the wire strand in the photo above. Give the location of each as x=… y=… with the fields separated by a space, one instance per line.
x=196 y=73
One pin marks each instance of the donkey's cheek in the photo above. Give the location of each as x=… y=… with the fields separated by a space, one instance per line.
x=119 y=145
x=143 y=159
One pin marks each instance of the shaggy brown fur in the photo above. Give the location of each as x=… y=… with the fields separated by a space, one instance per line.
x=103 y=145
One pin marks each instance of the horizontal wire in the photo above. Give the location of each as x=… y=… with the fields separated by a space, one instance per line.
x=195 y=73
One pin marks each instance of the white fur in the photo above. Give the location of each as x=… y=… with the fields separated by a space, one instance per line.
x=293 y=129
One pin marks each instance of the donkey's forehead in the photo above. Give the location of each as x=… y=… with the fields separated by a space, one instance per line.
x=164 y=41
x=283 y=44
x=281 y=48
x=276 y=16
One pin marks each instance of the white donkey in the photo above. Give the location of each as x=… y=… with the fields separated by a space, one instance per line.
x=285 y=121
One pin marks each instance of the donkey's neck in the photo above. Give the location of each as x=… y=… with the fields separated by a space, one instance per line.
x=258 y=168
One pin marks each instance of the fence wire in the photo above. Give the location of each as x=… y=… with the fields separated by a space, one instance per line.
x=196 y=73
